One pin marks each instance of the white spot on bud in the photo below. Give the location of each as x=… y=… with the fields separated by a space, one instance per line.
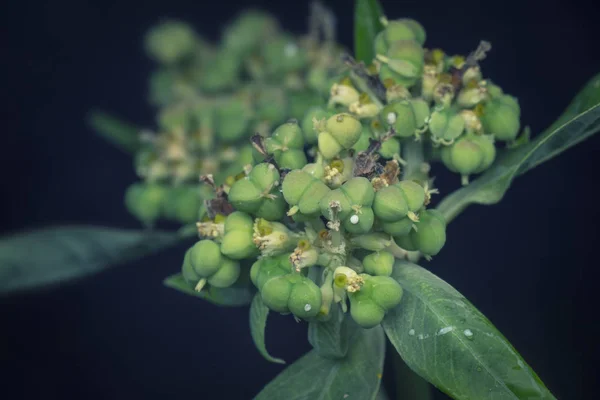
x=307 y=307
x=391 y=118
x=354 y=219
x=468 y=333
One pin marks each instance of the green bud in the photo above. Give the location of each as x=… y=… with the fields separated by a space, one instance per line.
x=186 y=203
x=315 y=170
x=398 y=228
x=341 y=132
x=446 y=125
x=302 y=101
x=145 y=201
x=304 y=191
x=221 y=74
x=205 y=258
x=174 y=117
x=311 y=117
x=171 y=41
x=271 y=105
x=355 y=198
x=232 y=120
x=237 y=242
x=226 y=275
x=248 y=31
x=363 y=141
x=486 y=144
x=283 y=55
x=379 y=263
x=421 y=110
x=501 y=118
x=387 y=293
x=380 y=44
x=390 y=148
x=287 y=145
x=365 y=312
x=372 y=241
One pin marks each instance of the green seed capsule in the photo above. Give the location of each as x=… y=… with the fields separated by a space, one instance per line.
x=355 y=198
x=405 y=58
x=421 y=110
x=341 y=132
x=316 y=113
x=365 y=312
x=395 y=202
x=363 y=141
x=465 y=156
x=486 y=144
x=183 y=204
x=446 y=125
x=145 y=201
x=379 y=263
x=501 y=118
x=287 y=145
x=237 y=240
x=404 y=29
x=257 y=194
x=401 y=116
x=292 y=293
x=267 y=268
x=304 y=191
x=378 y=295
x=430 y=235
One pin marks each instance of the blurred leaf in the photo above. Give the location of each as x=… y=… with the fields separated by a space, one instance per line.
x=578 y=122
x=409 y=385
x=367 y=24
x=330 y=338
x=446 y=340
x=234 y=296
x=258 y=323
x=357 y=376
x=121 y=134
x=49 y=256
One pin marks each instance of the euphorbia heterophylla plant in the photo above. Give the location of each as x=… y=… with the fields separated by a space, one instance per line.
x=324 y=214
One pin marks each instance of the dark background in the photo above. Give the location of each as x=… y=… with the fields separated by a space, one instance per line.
x=527 y=263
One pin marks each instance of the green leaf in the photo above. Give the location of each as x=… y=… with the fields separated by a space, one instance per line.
x=53 y=255
x=234 y=296
x=446 y=340
x=258 y=322
x=330 y=338
x=367 y=24
x=382 y=395
x=121 y=134
x=578 y=122
x=312 y=377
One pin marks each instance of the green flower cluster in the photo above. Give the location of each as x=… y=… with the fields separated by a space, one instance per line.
x=323 y=209
x=320 y=233
x=212 y=98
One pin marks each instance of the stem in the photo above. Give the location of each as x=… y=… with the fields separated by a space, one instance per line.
x=413 y=155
